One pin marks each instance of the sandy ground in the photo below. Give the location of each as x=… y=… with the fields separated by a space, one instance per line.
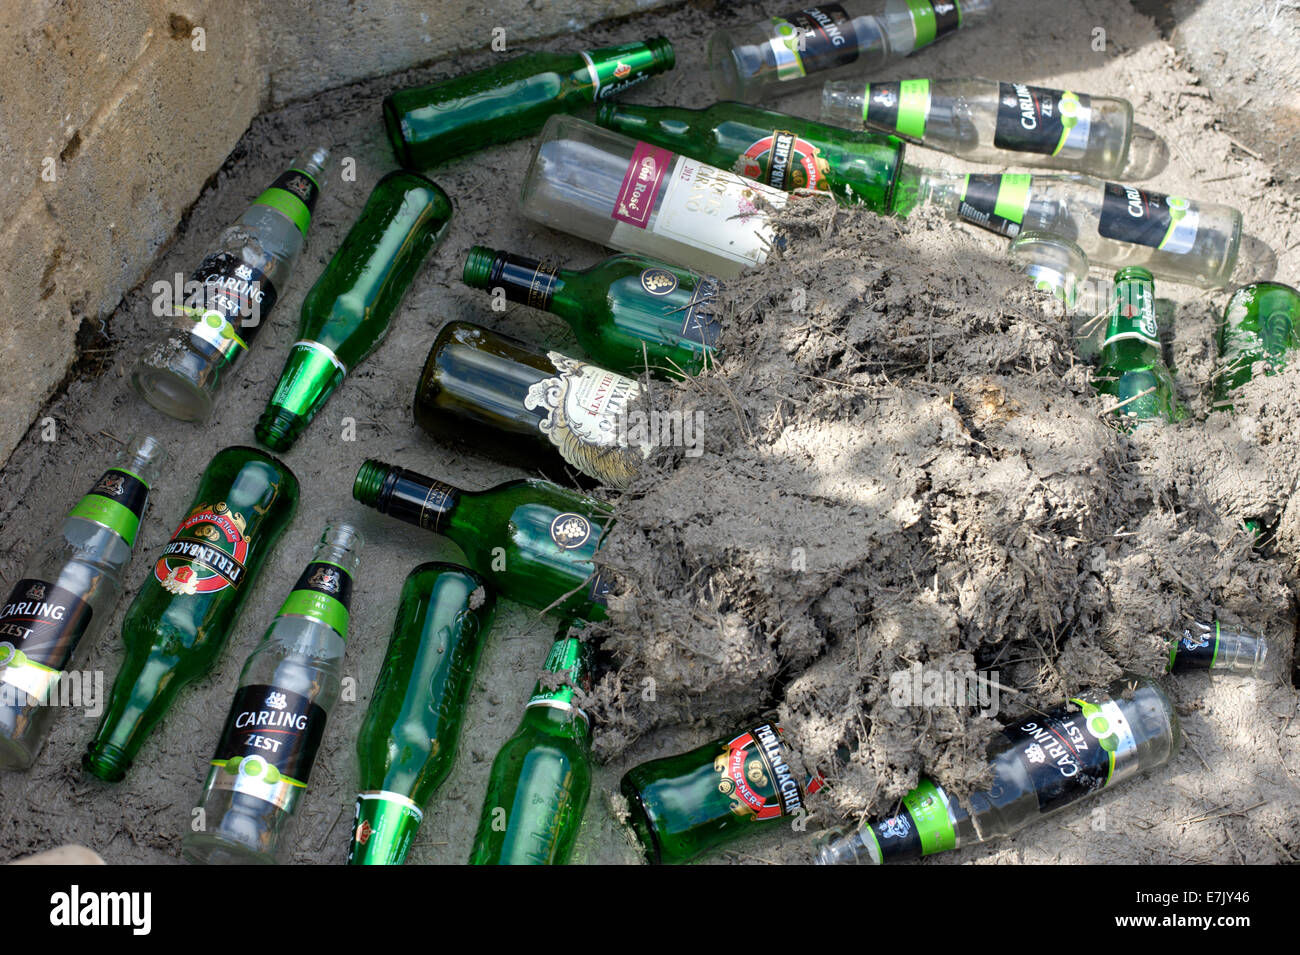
x=1231 y=795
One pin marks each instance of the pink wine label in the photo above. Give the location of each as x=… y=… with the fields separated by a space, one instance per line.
x=645 y=173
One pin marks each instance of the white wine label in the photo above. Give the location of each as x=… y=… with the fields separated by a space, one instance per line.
x=717 y=211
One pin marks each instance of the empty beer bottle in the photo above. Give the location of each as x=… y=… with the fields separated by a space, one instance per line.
x=1261 y=323
x=540 y=779
x=540 y=410
x=431 y=124
x=64 y=597
x=179 y=622
x=229 y=298
x=637 y=197
x=532 y=541
x=408 y=738
x=1175 y=238
x=682 y=806
x=1207 y=646
x=288 y=685
x=785 y=53
x=1041 y=764
x=987 y=121
x=1130 y=367
x=346 y=314
x=778 y=150
x=630 y=313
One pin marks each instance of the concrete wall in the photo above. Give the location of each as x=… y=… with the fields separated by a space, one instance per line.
x=113 y=113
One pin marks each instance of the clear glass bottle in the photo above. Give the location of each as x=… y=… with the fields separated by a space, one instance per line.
x=229 y=297
x=786 y=53
x=287 y=688
x=1207 y=646
x=634 y=197
x=65 y=596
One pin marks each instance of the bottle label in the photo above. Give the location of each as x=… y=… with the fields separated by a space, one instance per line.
x=599 y=590
x=922 y=827
x=1145 y=218
x=1197 y=649
x=40 y=626
x=783 y=161
x=566 y=675
x=312 y=372
x=294 y=194
x=1035 y=119
x=617 y=68
x=901 y=107
x=995 y=202
x=390 y=821
x=583 y=413
x=641 y=183
x=933 y=20
x=268 y=744
x=755 y=776
x=716 y=211
x=324 y=593
x=812 y=40
x=229 y=303
x=117 y=501
x=1133 y=314
x=206 y=553
x=1070 y=755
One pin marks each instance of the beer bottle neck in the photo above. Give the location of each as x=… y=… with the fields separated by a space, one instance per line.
x=566 y=675
x=609 y=70
x=407 y=496
x=324 y=589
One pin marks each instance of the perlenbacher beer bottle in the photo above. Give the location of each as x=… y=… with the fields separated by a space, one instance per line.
x=288 y=685
x=1130 y=367
x=630 y=313
x=431 y=124
x=346 y=314
x=1207 y=646
x=778 y=150
x=785 y=53
x=532 y=541
x=1041 y=764
x=228 y=299
x=1261 y=323
x=64 y=597
x=541 y=778
x=540 y=410
x=179 y=622
x=987 y=121
x=637 y=197
x=408 y=738
x=683 y=806
x=1175 y=238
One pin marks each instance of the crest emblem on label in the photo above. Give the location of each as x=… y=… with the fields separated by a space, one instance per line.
x=570 y=530
x=36 y=592
x=658 y=281
x=111 y=484
x=206 y=553
x=895 y=827
x=324 y=579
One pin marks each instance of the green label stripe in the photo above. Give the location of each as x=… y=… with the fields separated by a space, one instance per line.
x=271 y=777
x=1013 y=197
x=1215 y=658
x=913 y=107
x=317 y=606
x=106 y=511
x=929 y=810
x=16 y=658
x=291 y=204
x=922 y=21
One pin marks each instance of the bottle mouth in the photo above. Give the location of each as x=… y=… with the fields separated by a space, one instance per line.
x=662 y=50
x=278 y=429
x=479 y=266
x=369 y=482
x=1134 y=273
x=107 y=762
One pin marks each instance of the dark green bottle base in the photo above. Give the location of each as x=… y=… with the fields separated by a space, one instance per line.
x=639 y=820
x=107 y=762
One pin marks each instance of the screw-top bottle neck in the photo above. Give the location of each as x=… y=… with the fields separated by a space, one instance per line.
x=406 y=495
x=567 y=675
x=119 y=498
x=324 y=588
x=294 y=192
x=528 y=281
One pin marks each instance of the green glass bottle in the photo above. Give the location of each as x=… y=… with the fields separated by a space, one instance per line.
x=776 y=149
x=541 y=778
x=1040 y=764
x=630 y=312
x=1261 y=323
x=1207 y=646
x=537 y=410
x=287 y=688
x=682 y=806
x=1130 y=367
x=434 y=123
x=532 y=541
x=179 y=622
x=63 y=597
x=346 y=314
x=407 y=742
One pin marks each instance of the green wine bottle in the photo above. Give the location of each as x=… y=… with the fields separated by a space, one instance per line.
x=541 y=778
x=631 y=313
x=408 y=738
x=434 y=123
x=778 y=150
x=537 y=410
x=1130 y=367
x=346 y=314
x=532 y=541
x=179 y=622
